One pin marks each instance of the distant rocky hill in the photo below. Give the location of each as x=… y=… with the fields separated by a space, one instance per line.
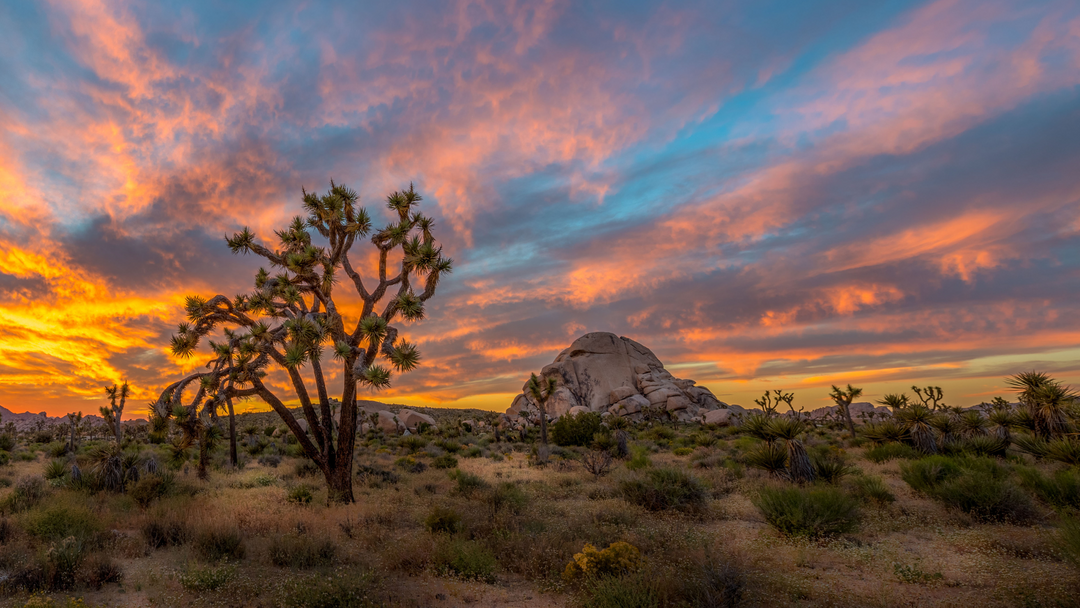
x=602 y=372
x=28 y=421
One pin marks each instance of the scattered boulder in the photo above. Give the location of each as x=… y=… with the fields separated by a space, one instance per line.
x=411 y=420
x=604 y=373
x=717 y=417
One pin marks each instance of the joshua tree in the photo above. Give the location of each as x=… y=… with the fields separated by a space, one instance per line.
x=112 y=413
x=770 y=402
x=894 y=402
x=798 y=462
x=930 y=396
x=541 y=391
x=843 y=399
x=292 y=316
x=73 y=419
x=917 y=420
x=972 y=424
x=1046 y=400
x=1002 y=420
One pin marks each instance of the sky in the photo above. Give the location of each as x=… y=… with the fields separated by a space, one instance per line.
x=766 y=194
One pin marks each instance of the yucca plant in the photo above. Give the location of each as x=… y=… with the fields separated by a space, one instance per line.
x=948 y=428
x=895 y=402
x=986 y=445
x=887 y=431
x=1046 y=400
x=972 y=424
x=769 y=457
x=1001 y=421
x=916 y=420
x=789 y=429
x=757 y=425
x=1030 y=444
x=56 y=469
x=1065 y=449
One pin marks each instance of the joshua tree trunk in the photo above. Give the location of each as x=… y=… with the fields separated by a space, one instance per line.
x=543 y=425
x=799 y=466
x=204 y=456
x=232 y=432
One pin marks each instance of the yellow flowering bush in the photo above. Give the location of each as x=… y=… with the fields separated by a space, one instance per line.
x=618 y=558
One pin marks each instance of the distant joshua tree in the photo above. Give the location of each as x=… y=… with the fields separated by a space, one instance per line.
x=112 y=414
x=541 y=391
x=843 y=399
x=894 y=401
x=292 y=316
x=930 y=396
x=73 y=419
x=1046 y=400
x=770 y=402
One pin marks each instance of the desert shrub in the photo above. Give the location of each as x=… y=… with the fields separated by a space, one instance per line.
x=340 y=590
x=218 y=543
x=5 y=458
x=98 y=570
x=59 y=521
x=62 y=560
x=1068 y=540
x=301 y=551
x=662 y=489
x=638 y=590
x=769 y=457
x=927 y=473
x=714 y=584
x=577 y=429
x=442 y=519
x=809 y=512
x=200 y=577
x=466 y=559
x=413 y=443
x=306 y=468
x=56 y=449
x=505 y=495
x=375 y=477
x=150 y=488
x=56 y=469
x=985 y=445
x=890 y=451
x=270 y=460
x=7 y=442
x=872 y=488
x=169 y=533
x=915 y=575
x=1060 y=490
x=410 y=464
x=450 y=446
x=831 y=469
x=597 y=462
x=444 y=461
x=619 y=558
x=300 y=495
x=639 y=458
x=979 y=487
x=467 y=484
x=684 y=451
x=27 y=493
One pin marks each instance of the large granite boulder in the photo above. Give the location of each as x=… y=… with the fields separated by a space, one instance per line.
x=602 y=372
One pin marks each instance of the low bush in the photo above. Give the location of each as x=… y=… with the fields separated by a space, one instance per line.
x=306 y=468
x=300 y=495
x=890 y=451
x=97 y=570
x=301 y=551
x=808 y=512
x=466 y=559
x=169 y=533
x=638 y=590
x=270 y=460
x=467 y=484
x=873 y=489
x=218 y=543
x=199 y=577
x=662 y=489
x=375 y=477
x=28 y=492
x=1060 y=490
x=505 y=495
x=340 y=590
x=60 y=521
x=977 y=486
x=618 y=559
x=55 y=470
x=639 y=458
x=150 y=488
x=443 y=519
x=1068 y=540
x=410 y=465
x=444 y=461
x=7 y=442
x=576 y=429
x=831 y=469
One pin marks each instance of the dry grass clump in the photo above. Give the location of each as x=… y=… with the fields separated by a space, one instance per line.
x=664 y=488
x=815 y=512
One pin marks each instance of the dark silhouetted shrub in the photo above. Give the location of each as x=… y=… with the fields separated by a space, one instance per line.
x=809 y=512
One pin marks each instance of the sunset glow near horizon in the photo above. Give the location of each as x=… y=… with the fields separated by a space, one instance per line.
x=766 y=194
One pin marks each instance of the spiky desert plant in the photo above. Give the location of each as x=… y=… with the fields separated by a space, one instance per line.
x=292 y=316
x=541 y=391
x=74 y=418
x=117 y=396
x=1064 y=449
x=894 y=401
x=972 y=424
x=757 y=425
x=885 y=432
x=986 y=445
x=1046 y=400
x=798 y=462
x=1001 y=422
x=843 y=399
x=770 y=457
x=916 y=420
x=1030 y=444
x=948 y=428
